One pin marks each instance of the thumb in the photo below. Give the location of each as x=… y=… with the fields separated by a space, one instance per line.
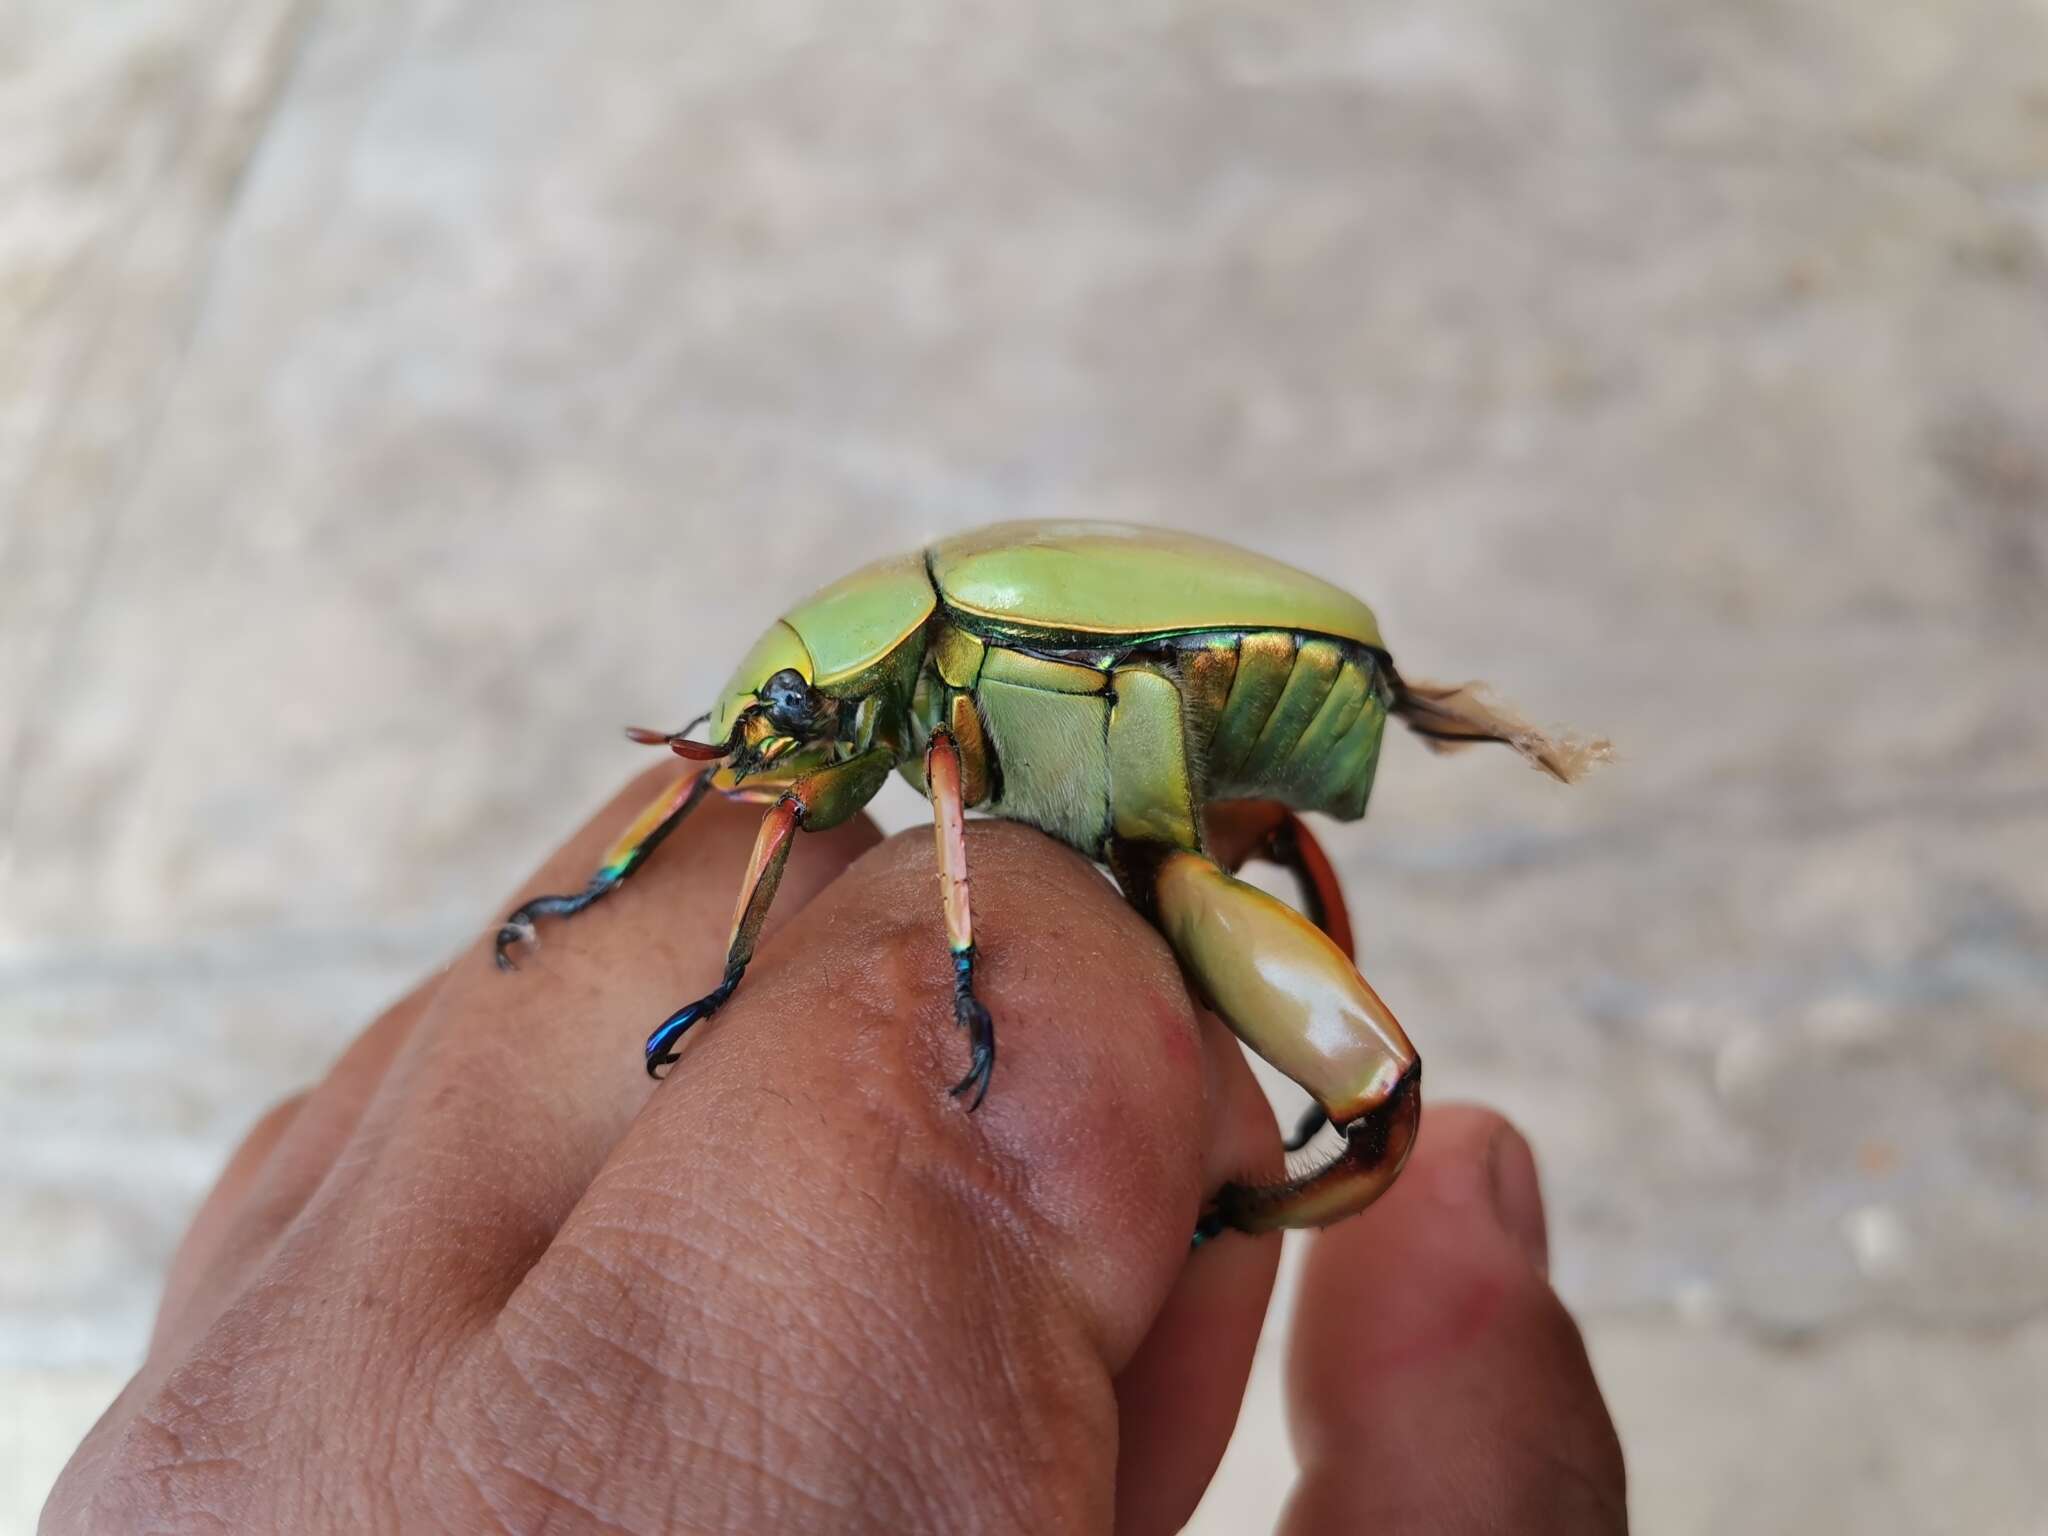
x=1436 y=1381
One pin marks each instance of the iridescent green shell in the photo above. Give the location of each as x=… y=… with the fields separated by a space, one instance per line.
x=1059 y=584
x=1087 y=581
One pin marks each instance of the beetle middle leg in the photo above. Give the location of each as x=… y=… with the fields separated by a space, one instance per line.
x=942 y=776
x=1292 y=995
x=816 y=802
x=640 y=839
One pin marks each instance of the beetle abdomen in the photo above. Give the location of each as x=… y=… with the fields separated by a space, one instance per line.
x=1281 y=716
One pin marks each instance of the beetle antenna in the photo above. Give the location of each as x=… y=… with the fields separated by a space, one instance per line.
x=1451 y=717
x=679 y=742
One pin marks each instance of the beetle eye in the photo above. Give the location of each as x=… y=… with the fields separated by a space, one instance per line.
x=791 y=702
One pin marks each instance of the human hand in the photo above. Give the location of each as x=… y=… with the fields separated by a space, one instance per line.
x=478 y=1278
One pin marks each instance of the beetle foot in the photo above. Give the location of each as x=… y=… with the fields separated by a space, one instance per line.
x=979 y=1069
x=514 y=931
x=969 y=1014
x=519 y=927
x=661 y=1051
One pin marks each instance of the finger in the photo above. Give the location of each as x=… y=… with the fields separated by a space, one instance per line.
x=1178 y=1399
x=513 y=1088
x=540 y=1066
x=1437 y=1383
x=812 y=1290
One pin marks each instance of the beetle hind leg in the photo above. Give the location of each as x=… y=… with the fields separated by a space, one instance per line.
x=660 y=818
x=1239 y=831
x=1292 y=995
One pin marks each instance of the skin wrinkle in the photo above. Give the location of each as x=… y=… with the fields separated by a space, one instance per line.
x=475 y=1475
x=636 y=1405
x=865 y=1311
x=891 y=1332
x=168 y=1474
x=647 y=1366
x=680 y=1285
x=455 y=1211
x=390 y=1436
x=483 y=1500
x=988 y=1278
x=739 y=1408
x=522 y=1309
x=656 y=1197
x=793 y=1391
x=966 y=1433
x=549 y=1482
x=743 y=1398
x=451 y=1440
x=259 y=1425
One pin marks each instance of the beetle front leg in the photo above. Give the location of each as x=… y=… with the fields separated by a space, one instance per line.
x=942 y=776
x=640 y=839
x=757 y=894
x=1290 y=994
x=816 y=802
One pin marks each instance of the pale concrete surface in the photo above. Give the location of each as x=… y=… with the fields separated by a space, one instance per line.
x=395 y=398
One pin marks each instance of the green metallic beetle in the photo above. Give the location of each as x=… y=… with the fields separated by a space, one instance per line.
x=1164 y=703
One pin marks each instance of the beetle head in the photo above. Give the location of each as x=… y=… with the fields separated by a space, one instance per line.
x=768 y=723
x=787 y=715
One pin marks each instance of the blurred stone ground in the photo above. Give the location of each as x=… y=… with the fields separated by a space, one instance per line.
x=395 y=398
